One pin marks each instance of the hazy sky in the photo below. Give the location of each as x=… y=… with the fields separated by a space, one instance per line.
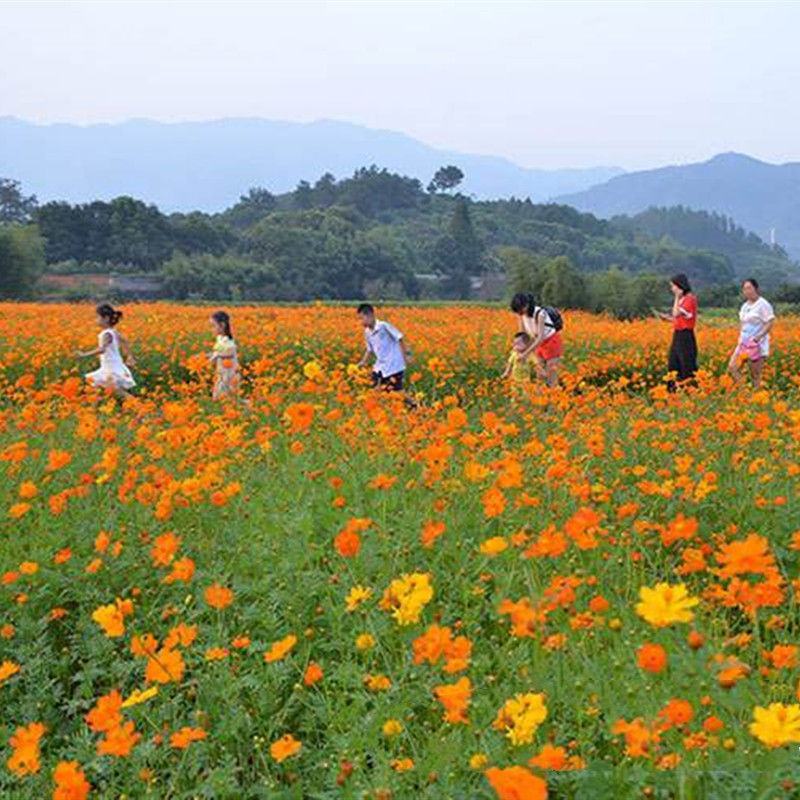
x=634 y=84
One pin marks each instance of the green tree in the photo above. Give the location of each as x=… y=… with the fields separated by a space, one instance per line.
x=445 y=179
x=21 y=260
x=14 y=205
x=303 y=196
x=562 y=285
x=253 y=206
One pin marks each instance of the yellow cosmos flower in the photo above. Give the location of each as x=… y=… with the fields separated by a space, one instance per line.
x=776 y=725
x=356 y=596
x=521 y=716
x=665 y=604
x=139 y=696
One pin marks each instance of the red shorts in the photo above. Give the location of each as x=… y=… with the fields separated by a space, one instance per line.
x=552 y=347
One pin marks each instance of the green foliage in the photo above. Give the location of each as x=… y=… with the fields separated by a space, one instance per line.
x=445 y=178
x=14 y=205
x=379 y=234
x=209 y=277
x=21 y=260
x=125 y=231
x=710 y=231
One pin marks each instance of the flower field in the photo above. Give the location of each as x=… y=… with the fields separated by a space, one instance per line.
x=321 y=593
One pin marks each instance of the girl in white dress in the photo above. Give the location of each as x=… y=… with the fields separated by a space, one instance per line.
x=113 y=373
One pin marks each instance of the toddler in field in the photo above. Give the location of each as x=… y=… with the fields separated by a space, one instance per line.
x=113 y=374
x=517 y=368
x=224 y=357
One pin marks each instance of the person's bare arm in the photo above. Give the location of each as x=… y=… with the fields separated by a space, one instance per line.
x=537 y=340
x=764 y=330
x=507 y=370
x=104 y=343
x=365 y=358
x=125 y=347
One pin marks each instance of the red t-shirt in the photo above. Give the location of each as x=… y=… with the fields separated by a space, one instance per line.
x=689 y=304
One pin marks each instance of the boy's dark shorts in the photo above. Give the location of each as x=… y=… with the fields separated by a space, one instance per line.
x=390 y=383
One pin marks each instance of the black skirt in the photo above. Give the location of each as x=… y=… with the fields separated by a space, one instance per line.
x=683 y=354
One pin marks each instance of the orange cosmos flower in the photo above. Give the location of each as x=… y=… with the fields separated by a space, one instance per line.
x=24 y=759
x=285 y=747
x=680 y=528
x=313 y=674
x=19 y=510
x=347 y=543
x=7 y=669
x=494 y=502
x=455 y=698
x=651 y=658
x=218 y=596
x=28 y=490
x=165 y=666
x=299 y=416
x=431 y=531
x=106 y=713
x=182 y=738
x=677 y=712
x=70 y=781
x=182 y=570
x=280 y=649
x=164 y=549
x=556 y=759
x=56 y=459
x=750 y=555
x=516 y=783
x=111 y=618
x=119 y=741
x=383 y=481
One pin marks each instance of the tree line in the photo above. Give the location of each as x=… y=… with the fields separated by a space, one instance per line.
x=383 y=235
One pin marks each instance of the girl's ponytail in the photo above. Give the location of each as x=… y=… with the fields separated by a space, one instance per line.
x=108 y=313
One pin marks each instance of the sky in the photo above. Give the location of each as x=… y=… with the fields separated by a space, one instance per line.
x=561 y=84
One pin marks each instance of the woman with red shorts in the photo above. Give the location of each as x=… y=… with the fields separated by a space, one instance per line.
x=546 y=343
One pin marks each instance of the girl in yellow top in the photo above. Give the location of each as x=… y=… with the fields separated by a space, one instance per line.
x=224 y=358
x=517 y=368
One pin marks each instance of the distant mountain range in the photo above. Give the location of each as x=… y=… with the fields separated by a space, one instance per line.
x=757 y=195
x=206 y=166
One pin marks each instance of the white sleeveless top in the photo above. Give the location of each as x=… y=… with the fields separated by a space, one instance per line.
x=113 y=371
x=531 y=324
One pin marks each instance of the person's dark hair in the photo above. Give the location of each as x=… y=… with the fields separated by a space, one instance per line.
x=523 y=303
x=682 y=282
x=110 y=314
x=752 y=281
x=365 y=308
x=223 y=319
x=523 y=337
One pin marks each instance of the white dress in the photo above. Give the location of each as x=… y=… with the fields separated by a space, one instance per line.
x=113 y=372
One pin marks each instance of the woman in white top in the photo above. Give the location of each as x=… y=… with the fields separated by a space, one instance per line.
x=113 y=373
x=756 y=318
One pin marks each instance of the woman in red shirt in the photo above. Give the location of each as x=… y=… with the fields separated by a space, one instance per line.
x=683 y=351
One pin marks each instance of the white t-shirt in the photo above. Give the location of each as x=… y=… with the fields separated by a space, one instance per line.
x=752 y=317
x=531 y=324
x=384 y=341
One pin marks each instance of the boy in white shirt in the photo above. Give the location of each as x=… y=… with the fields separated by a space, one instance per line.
x=386 y=344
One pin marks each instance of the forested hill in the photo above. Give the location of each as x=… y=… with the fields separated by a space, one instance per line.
x=379 y=234
x=709 y=231
x=758 y=195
